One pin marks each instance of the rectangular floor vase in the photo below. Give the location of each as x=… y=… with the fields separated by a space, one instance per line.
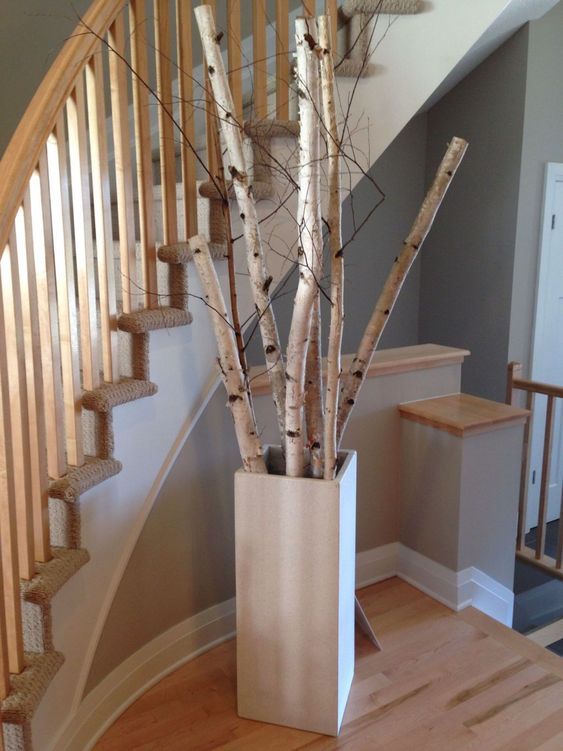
x=295 y=570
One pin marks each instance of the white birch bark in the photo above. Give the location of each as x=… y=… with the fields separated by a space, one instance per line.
x=260 y=280
x=423 y=222
x=314 y=414
x=307 y=83
x=333 y=360
x=230 y=368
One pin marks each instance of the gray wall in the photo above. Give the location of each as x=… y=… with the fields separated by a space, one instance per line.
x=400 y=173
x=467 y=262
x=184 y=559
x=31 y=33
x=543 y=142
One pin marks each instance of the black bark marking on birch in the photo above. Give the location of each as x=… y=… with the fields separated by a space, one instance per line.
x=197 y=250
x=310 y=41
x=358 y=374
x=315 y=445
x=269 y=349
x=211 y=70
x=449 y=173
x=293 y=433
x=339 y=253
x=350 y=402
x=235 y=174
x=235 y=398
x=219 y=36
x=386 y=312
x=267 y=283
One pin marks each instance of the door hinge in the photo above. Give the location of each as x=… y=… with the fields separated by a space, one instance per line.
x=553 y=221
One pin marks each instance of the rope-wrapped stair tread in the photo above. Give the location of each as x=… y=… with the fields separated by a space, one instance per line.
x=110 y=395
x=54 y=574
x=272 y=128
x=260 y=190
x=27 y=688
x=349 y=8
x=182 y=253
x=80 y=479
x=143 y=321
x=350 y=68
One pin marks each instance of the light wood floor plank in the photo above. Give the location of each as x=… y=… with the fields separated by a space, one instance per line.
x=444 y=682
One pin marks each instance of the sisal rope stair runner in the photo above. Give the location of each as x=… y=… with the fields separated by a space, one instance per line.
x=41 y=660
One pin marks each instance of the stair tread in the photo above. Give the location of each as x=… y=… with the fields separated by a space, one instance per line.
x=350 y=8
x=518 y=642
x=110 y=395
x=164 y=317
x=27 y=688
x=53 y=574
x=80 y=479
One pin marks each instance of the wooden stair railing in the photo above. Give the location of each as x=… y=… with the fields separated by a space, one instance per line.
x=63 y=302
x=77 y=154
x=536 y=555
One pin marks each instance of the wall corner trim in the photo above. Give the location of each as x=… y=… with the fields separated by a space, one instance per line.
x=211 y=627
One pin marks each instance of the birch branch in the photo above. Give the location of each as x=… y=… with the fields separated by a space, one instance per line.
x=423 y=222
x=298 y=341
x=314 y=415
x=260 y=280
x=334 y=221
x=231 y=371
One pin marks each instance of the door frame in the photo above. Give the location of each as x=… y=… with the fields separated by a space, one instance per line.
x=553 y=175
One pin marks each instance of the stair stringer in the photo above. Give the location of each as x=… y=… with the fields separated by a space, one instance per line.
x=148 y=435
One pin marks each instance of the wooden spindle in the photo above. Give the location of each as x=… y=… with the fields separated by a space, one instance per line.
x=143 y=146
x=35 y=398
x=4 y=663
x=102 y=216
x=260 y=62
x=210 y=115
x=282 y=59
x=545 y=473
x=8 y=531
x=165 y=123
x=42 y=261
x=331 y=10
x=186 y=94
x=234 y=51
x=63 y=253
x=524 y=472
x=17 y=389
x=131 y=297
x=559 y=551
x=84 y=247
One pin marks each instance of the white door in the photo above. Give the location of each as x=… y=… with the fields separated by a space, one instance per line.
x=547 y=351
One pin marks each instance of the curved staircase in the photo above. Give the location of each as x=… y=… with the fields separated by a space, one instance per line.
x=74 y=333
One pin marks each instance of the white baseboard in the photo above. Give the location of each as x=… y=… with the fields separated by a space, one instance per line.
x=206 y=630
x=144 y=669
x=455 y=589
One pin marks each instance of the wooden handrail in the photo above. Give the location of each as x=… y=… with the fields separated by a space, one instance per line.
x=538 y=388
x=23 y=152
x=532 y=388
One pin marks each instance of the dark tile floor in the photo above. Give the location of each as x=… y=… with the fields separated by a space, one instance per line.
x=538 y=597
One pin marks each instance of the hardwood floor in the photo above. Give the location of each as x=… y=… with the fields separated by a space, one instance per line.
x=443 y=682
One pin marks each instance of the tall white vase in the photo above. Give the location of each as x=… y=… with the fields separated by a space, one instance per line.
x=295 y=572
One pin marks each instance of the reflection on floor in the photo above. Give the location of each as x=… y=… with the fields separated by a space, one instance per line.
x=538 y=602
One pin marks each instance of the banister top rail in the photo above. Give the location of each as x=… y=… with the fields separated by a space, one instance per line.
x=23 y=151
x=537 y=387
